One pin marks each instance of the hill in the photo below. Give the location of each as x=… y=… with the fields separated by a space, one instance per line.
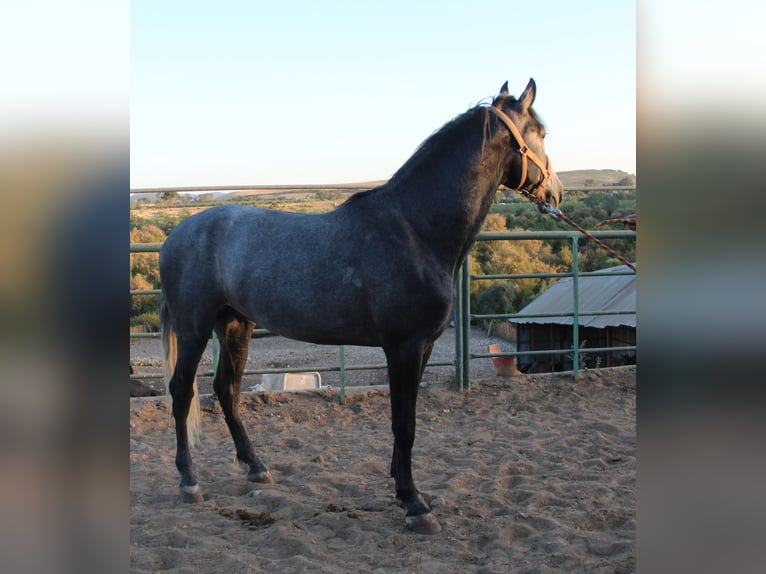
x=582 y=177
x=572 y=178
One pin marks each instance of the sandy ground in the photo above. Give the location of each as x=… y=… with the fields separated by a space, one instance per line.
x=535 y=473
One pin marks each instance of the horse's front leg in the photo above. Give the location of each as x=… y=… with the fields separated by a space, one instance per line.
x=404 y=373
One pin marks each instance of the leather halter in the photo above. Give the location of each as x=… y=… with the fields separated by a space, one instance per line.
x=525 y=152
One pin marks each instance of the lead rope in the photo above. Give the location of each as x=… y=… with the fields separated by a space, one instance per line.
x=558 y=214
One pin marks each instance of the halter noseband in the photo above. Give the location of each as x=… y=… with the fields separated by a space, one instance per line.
x=525 y=152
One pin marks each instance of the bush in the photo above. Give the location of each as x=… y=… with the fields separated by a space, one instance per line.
x=146 y=322
x=497 y=298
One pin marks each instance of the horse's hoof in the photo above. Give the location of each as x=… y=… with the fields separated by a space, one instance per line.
x=191 y=493
x=423 y=524
x=263 y=477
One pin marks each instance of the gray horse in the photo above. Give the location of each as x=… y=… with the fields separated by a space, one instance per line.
x=377 y=271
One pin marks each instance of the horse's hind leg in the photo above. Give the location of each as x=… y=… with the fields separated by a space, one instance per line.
x=181 y=388
x=234 y=336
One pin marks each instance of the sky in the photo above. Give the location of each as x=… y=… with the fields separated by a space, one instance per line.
x=300 y=92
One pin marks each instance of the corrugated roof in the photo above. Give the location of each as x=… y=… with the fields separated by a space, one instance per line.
x=597 y=294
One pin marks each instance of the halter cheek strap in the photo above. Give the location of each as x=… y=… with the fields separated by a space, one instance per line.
x=525 y=152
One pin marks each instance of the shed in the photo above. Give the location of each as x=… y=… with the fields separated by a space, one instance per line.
x=614 y=292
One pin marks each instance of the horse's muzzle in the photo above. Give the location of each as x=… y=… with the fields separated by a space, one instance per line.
x=552 y=194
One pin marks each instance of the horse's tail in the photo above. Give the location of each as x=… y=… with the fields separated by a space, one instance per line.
x=170 y=353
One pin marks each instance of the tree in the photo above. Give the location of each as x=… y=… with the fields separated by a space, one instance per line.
x=627 y=180
x=169 y=196
x=497 y=298
x=141 y=303
x=146 y=264
x=510 y=257
x=144 y=275
x=601 y=205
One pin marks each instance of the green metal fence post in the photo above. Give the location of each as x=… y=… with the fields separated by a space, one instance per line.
x=216 y=352
x=459 y=331
x=466 y=323
x=342 y=369
x=575 y=309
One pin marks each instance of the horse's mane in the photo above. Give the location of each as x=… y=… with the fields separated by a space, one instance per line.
x=454 y=130
x=361 y=194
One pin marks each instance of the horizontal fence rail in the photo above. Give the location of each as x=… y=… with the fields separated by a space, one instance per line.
x=330 y=186
x=463 y=316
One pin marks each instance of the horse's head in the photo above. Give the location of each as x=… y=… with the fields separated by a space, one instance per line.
x=538 y=181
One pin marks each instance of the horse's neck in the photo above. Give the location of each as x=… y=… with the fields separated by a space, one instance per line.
x=447 y=194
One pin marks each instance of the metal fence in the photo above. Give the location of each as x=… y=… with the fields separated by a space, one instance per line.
x=463 y=316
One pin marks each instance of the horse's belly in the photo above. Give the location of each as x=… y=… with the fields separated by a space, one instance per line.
x=335 y=319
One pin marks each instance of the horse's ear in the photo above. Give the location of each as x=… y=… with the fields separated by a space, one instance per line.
x=503 y=91
x=527 y=97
